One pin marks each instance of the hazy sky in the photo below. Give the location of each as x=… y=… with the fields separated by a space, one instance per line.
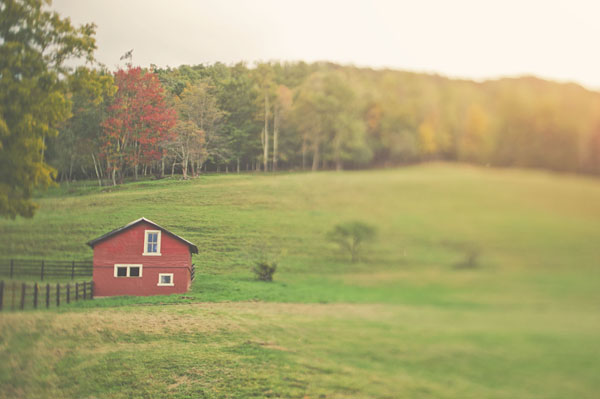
x=458 y=38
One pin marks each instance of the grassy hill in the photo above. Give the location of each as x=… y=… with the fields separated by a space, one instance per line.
x=404 y=321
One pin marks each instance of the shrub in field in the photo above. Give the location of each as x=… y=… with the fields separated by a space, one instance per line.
x=351 y=235
x=264 y=270
x=471 y=253
x=471 y=259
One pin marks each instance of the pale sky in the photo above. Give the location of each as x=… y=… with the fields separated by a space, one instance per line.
x=475 y=39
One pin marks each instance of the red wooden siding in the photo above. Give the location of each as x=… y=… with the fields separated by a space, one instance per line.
x=127 y=247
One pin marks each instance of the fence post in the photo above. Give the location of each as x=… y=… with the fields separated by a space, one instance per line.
x=68 y=293
x=35 y=295
x=73 y=270
x=76 y=291
x=92 y=289
x=1 y=294
x=84 y=290
x=48 y=295
x=11 y=268
x=57 y=294
x=42 y=274
x=23 y=288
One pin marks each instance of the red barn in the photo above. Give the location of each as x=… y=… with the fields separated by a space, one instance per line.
x=142 y=258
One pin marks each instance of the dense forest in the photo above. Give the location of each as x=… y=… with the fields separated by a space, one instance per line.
x=295 y=116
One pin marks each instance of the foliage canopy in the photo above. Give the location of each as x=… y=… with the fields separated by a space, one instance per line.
x=34 y=46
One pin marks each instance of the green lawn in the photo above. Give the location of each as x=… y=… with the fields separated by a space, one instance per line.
x=405 y=321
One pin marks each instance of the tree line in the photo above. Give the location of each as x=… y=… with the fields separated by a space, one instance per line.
x=63 y=123
x=300 y=116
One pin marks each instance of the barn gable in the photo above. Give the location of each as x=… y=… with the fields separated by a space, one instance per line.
x=193 y=248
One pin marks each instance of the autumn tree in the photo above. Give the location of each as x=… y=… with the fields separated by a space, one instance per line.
x=35 y=45
x=138 y=124
x=473 y=145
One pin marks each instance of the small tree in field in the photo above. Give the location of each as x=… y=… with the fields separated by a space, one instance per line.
x=264 y=270
x=266 y=257
x=350 y=236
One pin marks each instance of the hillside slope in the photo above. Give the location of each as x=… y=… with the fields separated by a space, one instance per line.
x=403 y=321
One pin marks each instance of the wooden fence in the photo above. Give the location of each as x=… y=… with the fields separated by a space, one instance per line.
x=20 y=296
x=44 y=268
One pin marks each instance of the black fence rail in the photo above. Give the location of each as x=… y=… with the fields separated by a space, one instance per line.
x=44 y=268
x=21 y=296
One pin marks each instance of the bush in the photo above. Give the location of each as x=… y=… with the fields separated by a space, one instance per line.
x=350 y=236
x=264 y=270
x=471 y=260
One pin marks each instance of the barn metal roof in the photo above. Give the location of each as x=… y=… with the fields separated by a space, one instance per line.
x=91 y=243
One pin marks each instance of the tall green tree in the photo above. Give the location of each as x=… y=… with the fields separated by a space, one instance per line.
x=281 y=107
x=75 y=150
x=327 y=117
x=238 y=99
x=35 y=44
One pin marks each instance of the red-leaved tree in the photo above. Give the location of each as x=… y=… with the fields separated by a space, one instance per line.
x=139 y=122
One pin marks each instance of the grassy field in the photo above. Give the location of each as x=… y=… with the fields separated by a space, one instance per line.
x=405 y=321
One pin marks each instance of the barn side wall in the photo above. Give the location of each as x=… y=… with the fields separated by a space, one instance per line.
x=127 y=247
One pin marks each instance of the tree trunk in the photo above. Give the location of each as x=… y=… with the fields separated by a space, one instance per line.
x=238 y=164
x=184 y=166
x=337 y=143
x=275 y=138
x=114 y=175
x=70 y=169
x=172 y=168
x=162 y=167
x=304 y=147
x=43 y=143
x=135 y=173
x=316 y=159
x=266 y=136
x=227 y=168
x=96 y=169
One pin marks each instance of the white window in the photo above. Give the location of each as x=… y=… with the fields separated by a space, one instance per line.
x=152 y=242
x=165 y=279
x=128 y=270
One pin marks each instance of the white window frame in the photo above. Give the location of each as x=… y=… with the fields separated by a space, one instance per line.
x=171 y=284
x=157 y=253
x=128 y=266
